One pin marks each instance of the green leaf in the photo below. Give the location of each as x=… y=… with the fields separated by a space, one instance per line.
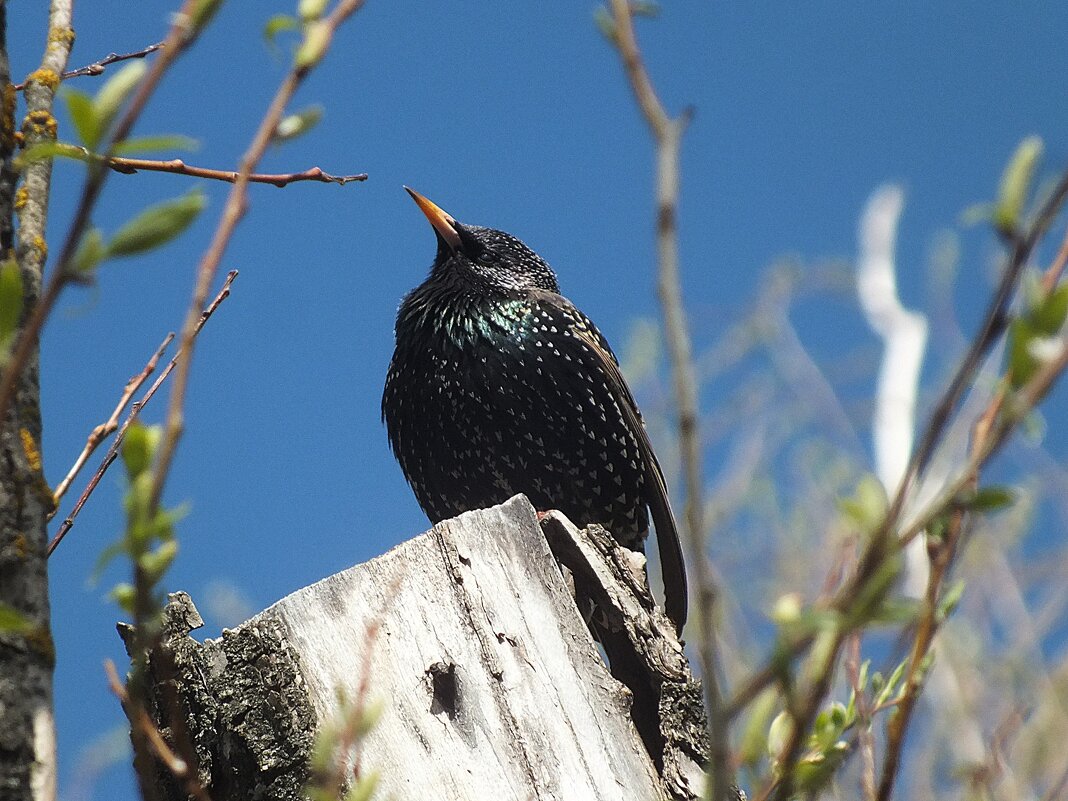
x=84 y=117
x=989 y=499
x=1048 y=314
x=752 y=745
x=157 y=225
x=950 y=599
x=113 y=94
x=10 y=301
x=890 y=687
x=313 y=48
x=369 y=716
x=605 y=23
x=148 y=144
x=49 y=148
x=139 y=448
x=155 y=563
x=311 y=10
x=203 y=12
x=277 y=24
x=1022 y=361
x=778 y=732
x=90 y=253
x=1016 y=184
x=867 y=507
x=364 y=787
x=12 y=621
x=125 y=596
x=645 y=9
x=293 y=125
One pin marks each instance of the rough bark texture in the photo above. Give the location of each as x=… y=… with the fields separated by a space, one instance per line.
x=27 y=655
x=491 y=684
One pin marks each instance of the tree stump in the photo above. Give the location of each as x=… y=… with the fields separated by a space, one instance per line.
x=470 y=638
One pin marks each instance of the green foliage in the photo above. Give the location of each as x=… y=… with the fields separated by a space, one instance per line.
x=867 y=508
x=93 y=116
x=203 y=12
x=311 y=10
x=83 y=116
x=157 y=225
x=148 y=540
x=277 y=24
x=337 y=740
x=155 y=144
x=297 y=124
x=313 y=47
x=1016 y=185
x=91 y=251
x=989 y=499
x=1033 y=336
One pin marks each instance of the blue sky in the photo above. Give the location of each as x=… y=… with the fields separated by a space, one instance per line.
x=509 y=115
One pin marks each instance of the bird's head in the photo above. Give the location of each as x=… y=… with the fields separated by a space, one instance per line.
x=483 y=257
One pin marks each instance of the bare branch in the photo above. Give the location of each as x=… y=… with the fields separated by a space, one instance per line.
x=181 y=35
x=104 y=430
x=667 y=133
x=232 y=213
x=98 y=67
x=113 y=451
x=128 y=166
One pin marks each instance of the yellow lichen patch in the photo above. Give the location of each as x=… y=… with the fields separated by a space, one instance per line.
x=21 y=196
x=44 y=77
x=61 y=36
x=40 y=123
x=29 y=447
x=21 y=545
x=40 y=246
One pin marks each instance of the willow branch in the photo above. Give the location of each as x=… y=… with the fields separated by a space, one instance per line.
x=181 y=35
x=943 y=553
x=104 y=430
x=98 y=67
x=233 y=211
x=128 y=166
x=667 y=134
x=113 y=451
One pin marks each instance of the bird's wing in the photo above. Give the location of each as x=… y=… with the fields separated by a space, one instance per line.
x=672 y=564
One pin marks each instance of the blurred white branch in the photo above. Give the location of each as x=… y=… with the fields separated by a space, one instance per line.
x=904 y=335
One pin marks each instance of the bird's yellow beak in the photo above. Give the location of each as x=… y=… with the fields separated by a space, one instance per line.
x=443 y=223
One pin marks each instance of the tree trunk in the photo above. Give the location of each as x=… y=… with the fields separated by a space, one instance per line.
x=470 y=638
x=27 y=654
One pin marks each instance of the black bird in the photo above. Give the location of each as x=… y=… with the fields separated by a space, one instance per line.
x=500 y=385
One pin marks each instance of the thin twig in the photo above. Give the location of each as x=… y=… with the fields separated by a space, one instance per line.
x=1053 y=274
x=141 y=724
x=181 y=35
x=865 y=738
x=98 y=67
x=994 y=323
x=667 y=133
x=113 y=451
x=128 y=166
x=234 y=210
x=104 y=430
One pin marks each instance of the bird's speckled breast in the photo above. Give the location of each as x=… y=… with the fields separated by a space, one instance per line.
x=489 y=397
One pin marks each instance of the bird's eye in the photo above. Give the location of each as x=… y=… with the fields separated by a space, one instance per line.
x=470 y=246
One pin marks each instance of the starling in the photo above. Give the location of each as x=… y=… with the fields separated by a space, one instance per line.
x=500 y=385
